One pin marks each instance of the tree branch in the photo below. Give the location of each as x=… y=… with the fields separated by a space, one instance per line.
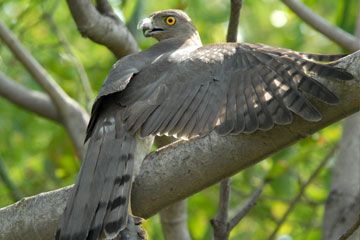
x=33 y=101
x=186 y=167
x=220 y=223
x=174 y=221
x=174 y=217
x=77 y=63
x=247 y=207
x=234 y=20
x=336 y=34
x=73 y=116
x=357 y=23
x=342 y=205
x=102 y=28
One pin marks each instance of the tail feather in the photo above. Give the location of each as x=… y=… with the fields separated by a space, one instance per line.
x=103 y=185
x=117 y=211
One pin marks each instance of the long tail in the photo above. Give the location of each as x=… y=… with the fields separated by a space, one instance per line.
x=100 y=199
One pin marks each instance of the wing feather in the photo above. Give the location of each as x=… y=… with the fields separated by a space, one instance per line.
x=176 y=111
x=178 y=124
x=251 y=121
x=232 y=87
x=228 y=121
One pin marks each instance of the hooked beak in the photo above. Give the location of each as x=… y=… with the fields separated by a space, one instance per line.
x=148 y=27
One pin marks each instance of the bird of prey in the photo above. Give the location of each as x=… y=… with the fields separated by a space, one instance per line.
x=181 y=88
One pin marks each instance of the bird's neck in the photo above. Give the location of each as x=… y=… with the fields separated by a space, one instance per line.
x=180 y=42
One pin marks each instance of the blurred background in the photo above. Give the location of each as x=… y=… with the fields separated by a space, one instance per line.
x=36 y=154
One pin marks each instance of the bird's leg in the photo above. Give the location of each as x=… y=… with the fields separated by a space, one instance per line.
x=133 y=230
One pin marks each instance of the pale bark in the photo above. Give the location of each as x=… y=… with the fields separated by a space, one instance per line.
x=186 y=167
x=174 y=221
x=174 y=217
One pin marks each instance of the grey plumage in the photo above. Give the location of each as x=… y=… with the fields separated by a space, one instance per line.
x=179 y=87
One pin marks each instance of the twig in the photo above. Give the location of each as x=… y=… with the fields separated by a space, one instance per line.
x=247 y=207
x=101 y=28
x=301 y=192
x=224 y=201
x=78 y=65
x=336 y=34
x=14 y=191
x=351 y=230
x=277 y=198
x=234 y=20
x=72 y=114
x=33 y=101
x=220 y=222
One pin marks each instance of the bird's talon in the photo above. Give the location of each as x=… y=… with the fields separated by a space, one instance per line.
x=138 y=220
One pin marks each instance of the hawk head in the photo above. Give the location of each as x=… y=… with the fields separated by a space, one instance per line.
x=168 y=24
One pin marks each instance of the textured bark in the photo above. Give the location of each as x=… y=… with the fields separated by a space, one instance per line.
x=33 y=217
x=174 y=217
x=184 y=168
x=342 y=206
x=174 y=221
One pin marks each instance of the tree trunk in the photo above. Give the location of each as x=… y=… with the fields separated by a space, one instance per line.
x=342 y=206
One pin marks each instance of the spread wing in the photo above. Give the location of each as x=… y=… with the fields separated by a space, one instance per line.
x=232 y=88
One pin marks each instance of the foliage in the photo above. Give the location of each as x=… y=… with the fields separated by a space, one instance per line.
x=39 y=156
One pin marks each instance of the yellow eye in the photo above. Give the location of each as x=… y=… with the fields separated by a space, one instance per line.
x=170 y=21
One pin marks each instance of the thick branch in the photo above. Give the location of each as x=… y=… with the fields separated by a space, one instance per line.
x=336 y=34
x=73 y=116
x=102 y=28
x=184 y=168
x=33 y=101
